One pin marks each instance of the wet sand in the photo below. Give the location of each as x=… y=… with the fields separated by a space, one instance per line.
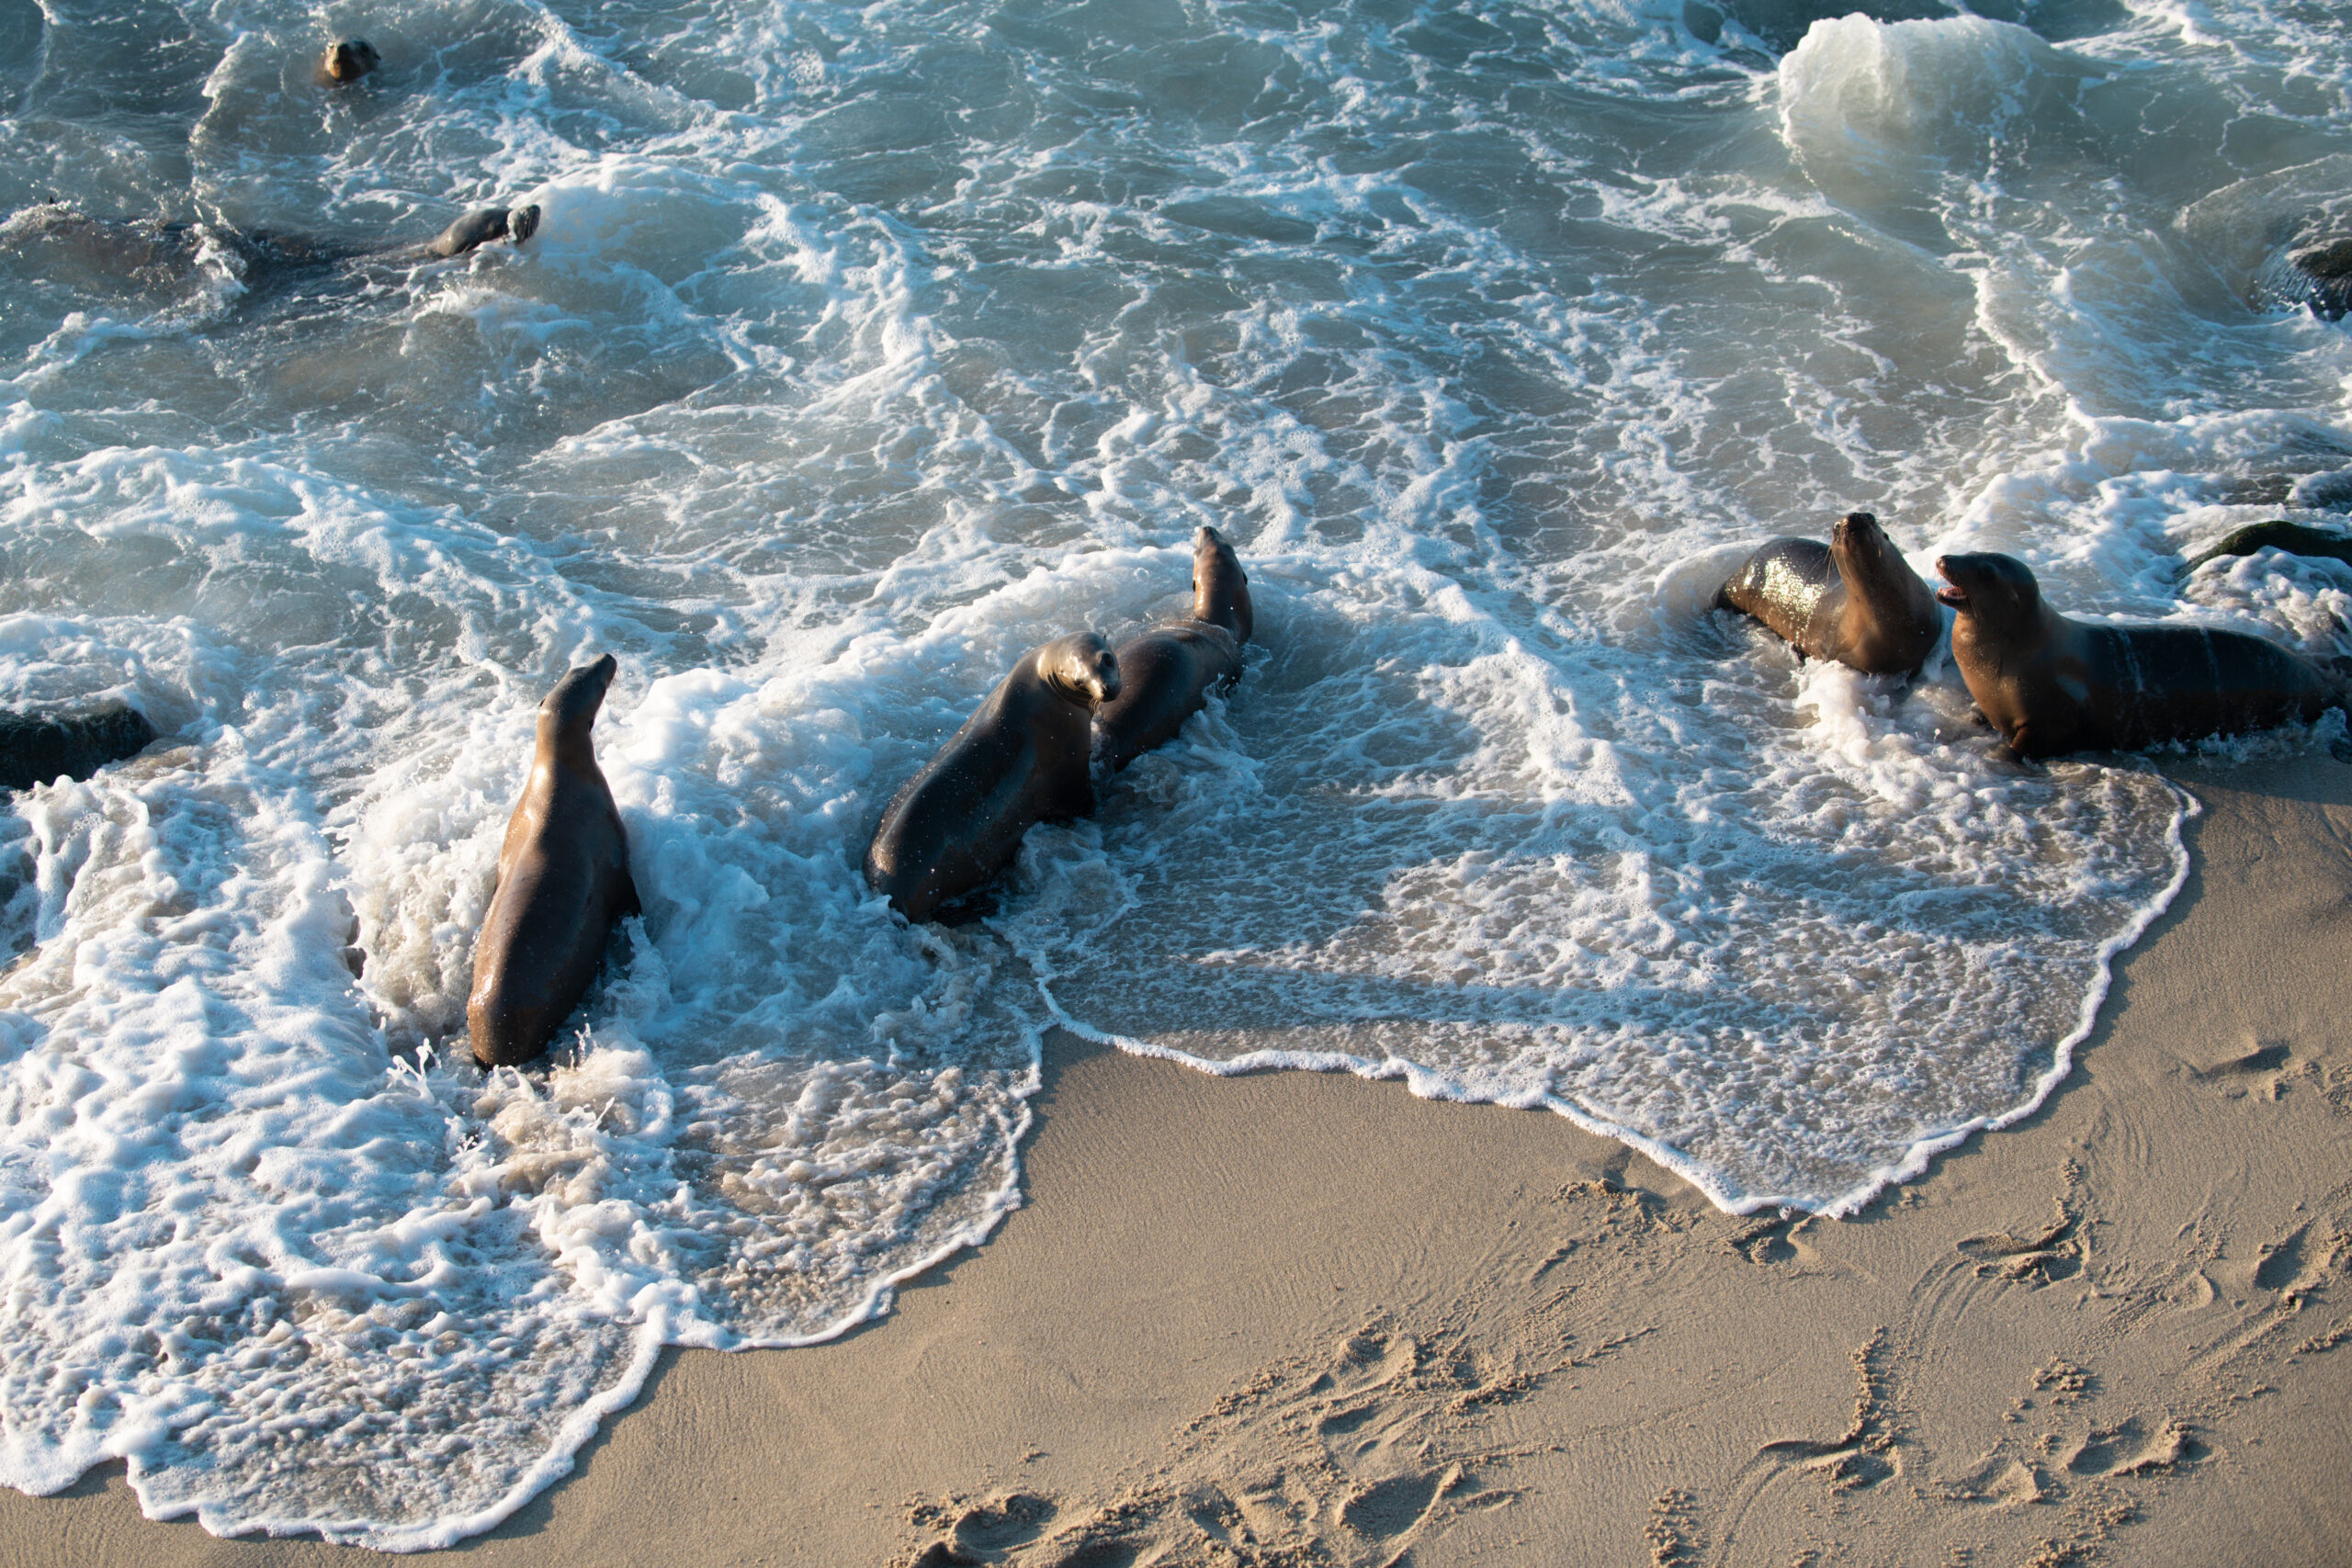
x=1299 y=1319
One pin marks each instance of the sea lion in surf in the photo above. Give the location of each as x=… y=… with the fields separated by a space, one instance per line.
x=346 y=61
x=1167 y=674
x=2050 y=684
x=36 y=748
x=149 y=251
x=563 y=883
x=482 y=225
x=1854 y=600
x=1023 y=758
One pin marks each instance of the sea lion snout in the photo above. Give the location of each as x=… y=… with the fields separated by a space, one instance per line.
x=1951 y=592
x=523 y=222
x=1988 y=585
x=1859 y=532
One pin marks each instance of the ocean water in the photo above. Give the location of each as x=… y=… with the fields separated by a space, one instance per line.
x=861 y=349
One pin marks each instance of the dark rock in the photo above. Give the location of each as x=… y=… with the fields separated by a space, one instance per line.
x=2294 y=538
x=36 y=748
x=2317 y=276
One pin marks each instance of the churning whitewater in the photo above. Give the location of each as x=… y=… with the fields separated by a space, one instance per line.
x=858 y=351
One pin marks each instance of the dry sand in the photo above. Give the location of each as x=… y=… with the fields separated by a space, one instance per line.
x=1291 y=1319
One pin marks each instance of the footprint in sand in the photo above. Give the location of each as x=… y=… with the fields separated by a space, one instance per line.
x=2134 y=1447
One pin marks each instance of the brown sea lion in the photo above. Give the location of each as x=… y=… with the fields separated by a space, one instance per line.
x=1168 y=672
x=1023 y=758
x=1854 y=600
x=563 y=883
x=346 y=61
x=2050 y=684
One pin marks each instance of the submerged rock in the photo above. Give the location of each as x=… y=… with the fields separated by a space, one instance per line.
x=2317 y=276
x=2294 y=538
x=36 y=748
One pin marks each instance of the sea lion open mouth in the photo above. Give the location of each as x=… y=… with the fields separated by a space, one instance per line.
x=1951 y=592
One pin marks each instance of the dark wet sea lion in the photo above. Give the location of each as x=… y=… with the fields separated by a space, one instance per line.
x=2050 y=684
x=563 y=883
x=35 y=749
x=1854 y=600
x=2278 y=534
x=347 y=60
x=149 y=251
x=1023 y=758
x=1168 y=672
x=484 y=224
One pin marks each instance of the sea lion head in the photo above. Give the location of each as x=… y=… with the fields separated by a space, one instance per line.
x=1220 y=588
x=1863 y=550
x=1998 y=592
x=1080 y=668
x=347 y=60
x=571 y=708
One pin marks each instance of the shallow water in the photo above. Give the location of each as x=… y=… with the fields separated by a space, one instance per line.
x=860 y=350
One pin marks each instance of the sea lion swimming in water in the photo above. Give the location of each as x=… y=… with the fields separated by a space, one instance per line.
x=2050 y=684
x=1023 y=758
x=1854 y=600
x=149 y=251
x=346 y=61
x=1167 y=674
x=563 y=883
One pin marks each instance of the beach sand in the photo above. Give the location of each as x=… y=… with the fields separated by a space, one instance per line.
x=1301 y=1319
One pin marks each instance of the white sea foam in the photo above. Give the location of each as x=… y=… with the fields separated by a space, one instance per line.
x=857 y=352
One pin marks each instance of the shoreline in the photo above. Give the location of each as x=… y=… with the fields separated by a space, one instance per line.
x=1307 y=1317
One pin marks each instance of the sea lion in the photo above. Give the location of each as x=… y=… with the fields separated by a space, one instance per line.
x=38 y=748
x=1854 y=600
x=482 y=225
x=65 y=242
x=346 y=61
x=1023 y=758
x=563 y=883
x=2050 y=684
x=1168 y=672
x=2278 y=534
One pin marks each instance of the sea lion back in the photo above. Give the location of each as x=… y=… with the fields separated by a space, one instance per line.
x=563 y=883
